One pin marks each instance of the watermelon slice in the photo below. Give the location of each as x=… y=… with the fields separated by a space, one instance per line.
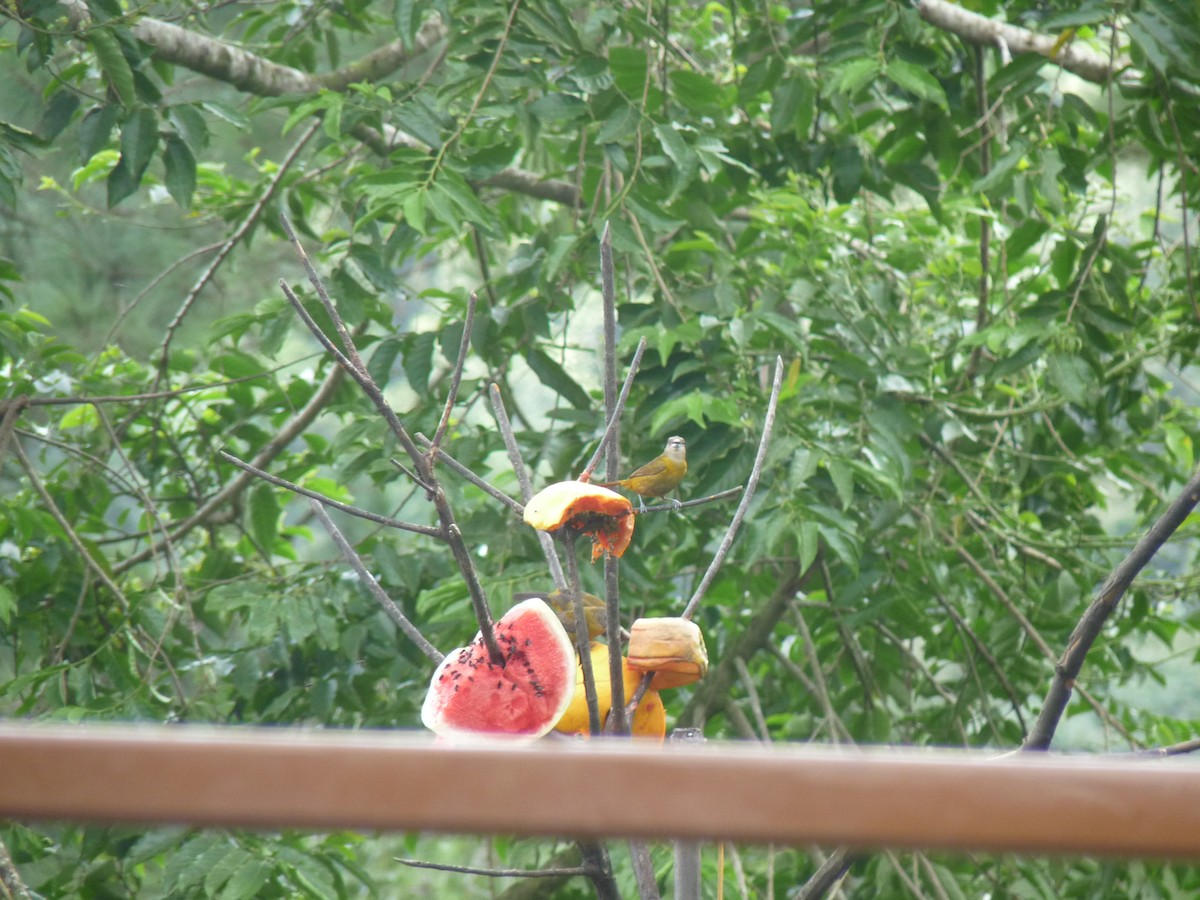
x=469 y=694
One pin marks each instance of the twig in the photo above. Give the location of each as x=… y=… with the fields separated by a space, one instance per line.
x=643 y=869
x=394 y=612
x=982 y=649
x=436 y=166
x=747 y=496
x=608 y=293
x=459 y=469
x=427 y=530
x=999 y=593
x=760 y=722
x=273 y=448
x=814 y=662
x=518 y=464
x=89 y=561
x=614 y=403
x=411 y=475
x=829 y=873
x=323 y=295
x=492 y=873
x=695 y=501
x=9 y=413
x=1173 y=750
x=1103 y=603
x=510 y=442
x=614 y=417
x=456 y=378
x=240 y=232
x=581 y=631
x=352 y=363
x=10 y=879
x=1182 y=163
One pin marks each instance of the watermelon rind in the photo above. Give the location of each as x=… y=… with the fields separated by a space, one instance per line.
x=469 y=695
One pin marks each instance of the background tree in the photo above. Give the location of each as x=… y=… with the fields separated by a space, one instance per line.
x=972 y=244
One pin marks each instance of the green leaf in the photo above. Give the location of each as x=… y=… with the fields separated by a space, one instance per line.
x=139 y=137
x=113 y=64
x=95 y=129
x=379 y=367
x=233 y=861
x=418 y=118
x=699 y=93
x=808 y=541
x=181 y=171
x=57 y=114
x=264 y=516
x=792 y=106
x=247 y=881
x=553 y=376
x=404 y=17
x=619 y=125
x=685 y=158
x=917 y=80
x=418 y=359
x=1071 y=376
x=8 y=605
x=843 y=481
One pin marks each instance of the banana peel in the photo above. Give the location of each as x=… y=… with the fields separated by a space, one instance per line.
x=672 y=648
x=649 y=720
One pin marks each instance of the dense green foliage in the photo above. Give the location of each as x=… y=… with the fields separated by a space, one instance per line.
x=978 y=272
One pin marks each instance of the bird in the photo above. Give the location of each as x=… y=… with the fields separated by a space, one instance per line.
x=658 y=477
x=594 y=609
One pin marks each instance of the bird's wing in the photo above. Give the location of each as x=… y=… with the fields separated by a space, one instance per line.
x=654 y=467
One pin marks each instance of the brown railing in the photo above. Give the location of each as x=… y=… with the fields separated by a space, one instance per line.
x=1029 y=802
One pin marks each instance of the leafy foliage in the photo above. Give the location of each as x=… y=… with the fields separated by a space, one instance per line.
x=979 y=273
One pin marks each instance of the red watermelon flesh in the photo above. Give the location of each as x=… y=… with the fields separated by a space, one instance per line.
x=522 y=698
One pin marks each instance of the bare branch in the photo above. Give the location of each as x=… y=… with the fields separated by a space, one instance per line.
x=273 y=448
x=610 y=426
x=411 y=475
x=575 y=589
x=1103 y=603
x=394 y=612
x=331 y=310
x=10 y=879
x=522 y=473
x=248 y=221
x=521 y=182
x=492 y=873
x=456 y=377
x=751 y=485
x=383 y=61
x=610 y=440
x=9 y=413
x=1191 y=746
x=459 y=469
x=695 y=501
x=977 y=29
x=510 y=442
x=48 y=501
x=427 y=530
x=352 y=363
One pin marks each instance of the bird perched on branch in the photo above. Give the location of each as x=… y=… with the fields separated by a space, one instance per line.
x=658 y=477
x=594 y=609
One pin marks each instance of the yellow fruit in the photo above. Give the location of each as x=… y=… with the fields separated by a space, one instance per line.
x=672 y=648
x=650 y=718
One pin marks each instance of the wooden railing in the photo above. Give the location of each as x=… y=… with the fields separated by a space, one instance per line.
x=260 y=777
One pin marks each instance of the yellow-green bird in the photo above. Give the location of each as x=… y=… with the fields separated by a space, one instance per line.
x=658 y=477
